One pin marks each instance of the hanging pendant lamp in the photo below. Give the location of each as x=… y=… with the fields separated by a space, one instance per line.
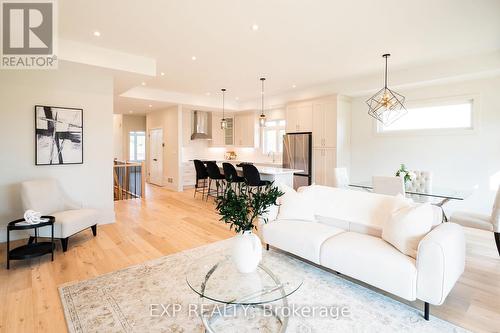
x=223 y=122
x=386 y=105
x=262 y=117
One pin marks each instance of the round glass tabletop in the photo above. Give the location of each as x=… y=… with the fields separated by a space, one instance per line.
x=217 y=279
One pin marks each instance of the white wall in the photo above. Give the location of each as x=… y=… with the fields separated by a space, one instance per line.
x=457 y=161
x=118 y=137
x=72 y=86
x=170 y=121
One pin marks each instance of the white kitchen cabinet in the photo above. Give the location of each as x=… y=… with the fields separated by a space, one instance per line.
x=217 y=132
x=245 y=130
x=221 y=137
x=188 y=174
x=324 y=124
x=299 y=117
x=324 y=161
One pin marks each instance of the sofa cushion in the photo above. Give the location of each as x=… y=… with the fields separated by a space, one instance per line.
x=69 y=222
x=371 y=260
x=295 y=205
x=301 y=238
x=359 y=207
x=372 y=230
x=407 y=226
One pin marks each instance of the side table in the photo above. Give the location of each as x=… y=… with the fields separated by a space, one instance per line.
x=33 y=248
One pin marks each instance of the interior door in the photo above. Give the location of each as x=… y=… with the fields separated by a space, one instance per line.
x=156 y=156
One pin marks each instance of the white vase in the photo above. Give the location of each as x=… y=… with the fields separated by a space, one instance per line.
x=246 y=252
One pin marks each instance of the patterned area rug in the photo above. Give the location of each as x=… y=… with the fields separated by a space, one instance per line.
x=128 y=301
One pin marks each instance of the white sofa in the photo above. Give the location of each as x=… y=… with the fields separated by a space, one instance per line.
x=346 y=237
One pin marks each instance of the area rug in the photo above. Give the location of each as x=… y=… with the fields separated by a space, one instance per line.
x=128 y=300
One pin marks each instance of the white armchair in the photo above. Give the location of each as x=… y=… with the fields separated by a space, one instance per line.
x=46 y=196
x=482 y=221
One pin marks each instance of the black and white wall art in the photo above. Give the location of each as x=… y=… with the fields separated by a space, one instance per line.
x=58 y=135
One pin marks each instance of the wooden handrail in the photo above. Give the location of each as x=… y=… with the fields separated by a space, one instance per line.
x=121 y=179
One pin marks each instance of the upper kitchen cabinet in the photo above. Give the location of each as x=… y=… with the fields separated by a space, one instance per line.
x=245 y=129
x=324 y=117
x=299 y=117
x=221 y=137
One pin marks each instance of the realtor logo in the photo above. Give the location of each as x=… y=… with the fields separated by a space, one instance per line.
x=28 y=30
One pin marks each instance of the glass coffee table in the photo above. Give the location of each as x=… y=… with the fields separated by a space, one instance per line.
x=230 y=299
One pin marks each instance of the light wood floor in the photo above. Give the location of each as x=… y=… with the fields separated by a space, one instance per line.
x=169 y=222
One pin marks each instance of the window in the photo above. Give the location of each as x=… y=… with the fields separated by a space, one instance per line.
x=272 y=136
x=137 y=146
x=457 y=115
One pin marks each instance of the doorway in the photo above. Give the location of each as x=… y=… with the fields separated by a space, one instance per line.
x=156 y=156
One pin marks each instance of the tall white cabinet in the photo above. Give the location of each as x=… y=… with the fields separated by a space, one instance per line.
x=329 y=120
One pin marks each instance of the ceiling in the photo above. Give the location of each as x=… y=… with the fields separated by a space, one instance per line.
x=298 y=44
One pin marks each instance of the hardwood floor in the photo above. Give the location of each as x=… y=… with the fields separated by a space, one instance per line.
x=168 y=222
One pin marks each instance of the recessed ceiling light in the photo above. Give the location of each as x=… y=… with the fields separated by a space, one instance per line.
x=97 y=34
x=294 y=86
x=255 y=27
x=162 y=74
x=143 y=83
x=150 y=105
x=207 y=93
x=193 y=58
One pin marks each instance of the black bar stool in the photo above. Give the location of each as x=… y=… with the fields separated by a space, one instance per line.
x=214 y=174
x=232 y=175
x=252 y=176
x=201 y=174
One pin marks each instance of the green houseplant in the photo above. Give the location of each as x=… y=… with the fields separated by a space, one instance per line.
x=240 y=206
x=405 y=174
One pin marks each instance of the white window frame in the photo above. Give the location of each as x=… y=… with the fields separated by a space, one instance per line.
x=134 y=133
x=475 y=107
x=277 y=128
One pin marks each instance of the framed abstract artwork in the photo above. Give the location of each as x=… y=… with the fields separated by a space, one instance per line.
x=58 y=135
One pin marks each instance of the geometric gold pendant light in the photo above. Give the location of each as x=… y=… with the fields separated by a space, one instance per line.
x=386 y=105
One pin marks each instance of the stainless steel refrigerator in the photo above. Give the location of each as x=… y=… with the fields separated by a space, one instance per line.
x=297 y=154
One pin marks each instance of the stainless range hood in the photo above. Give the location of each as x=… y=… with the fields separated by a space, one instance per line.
x=201 y=125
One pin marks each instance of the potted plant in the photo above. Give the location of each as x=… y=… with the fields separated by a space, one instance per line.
x=240 y=208
x=407 y=175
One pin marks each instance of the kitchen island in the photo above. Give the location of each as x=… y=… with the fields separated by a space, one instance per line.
x=274 y=174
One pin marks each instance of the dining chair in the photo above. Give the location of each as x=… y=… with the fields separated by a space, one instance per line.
x=481 y=221
x=340 y=177
x=201 y=174
x=214 y=174
x=388 y=185
x=422 y=183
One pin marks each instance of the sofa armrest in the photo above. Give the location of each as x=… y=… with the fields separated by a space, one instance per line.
x=440 y=262
x=271 y=215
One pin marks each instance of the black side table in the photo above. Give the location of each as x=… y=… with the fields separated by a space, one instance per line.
x=33 y=248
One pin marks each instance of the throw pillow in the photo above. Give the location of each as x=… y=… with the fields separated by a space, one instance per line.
x=295 y=205
x=407 y=226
